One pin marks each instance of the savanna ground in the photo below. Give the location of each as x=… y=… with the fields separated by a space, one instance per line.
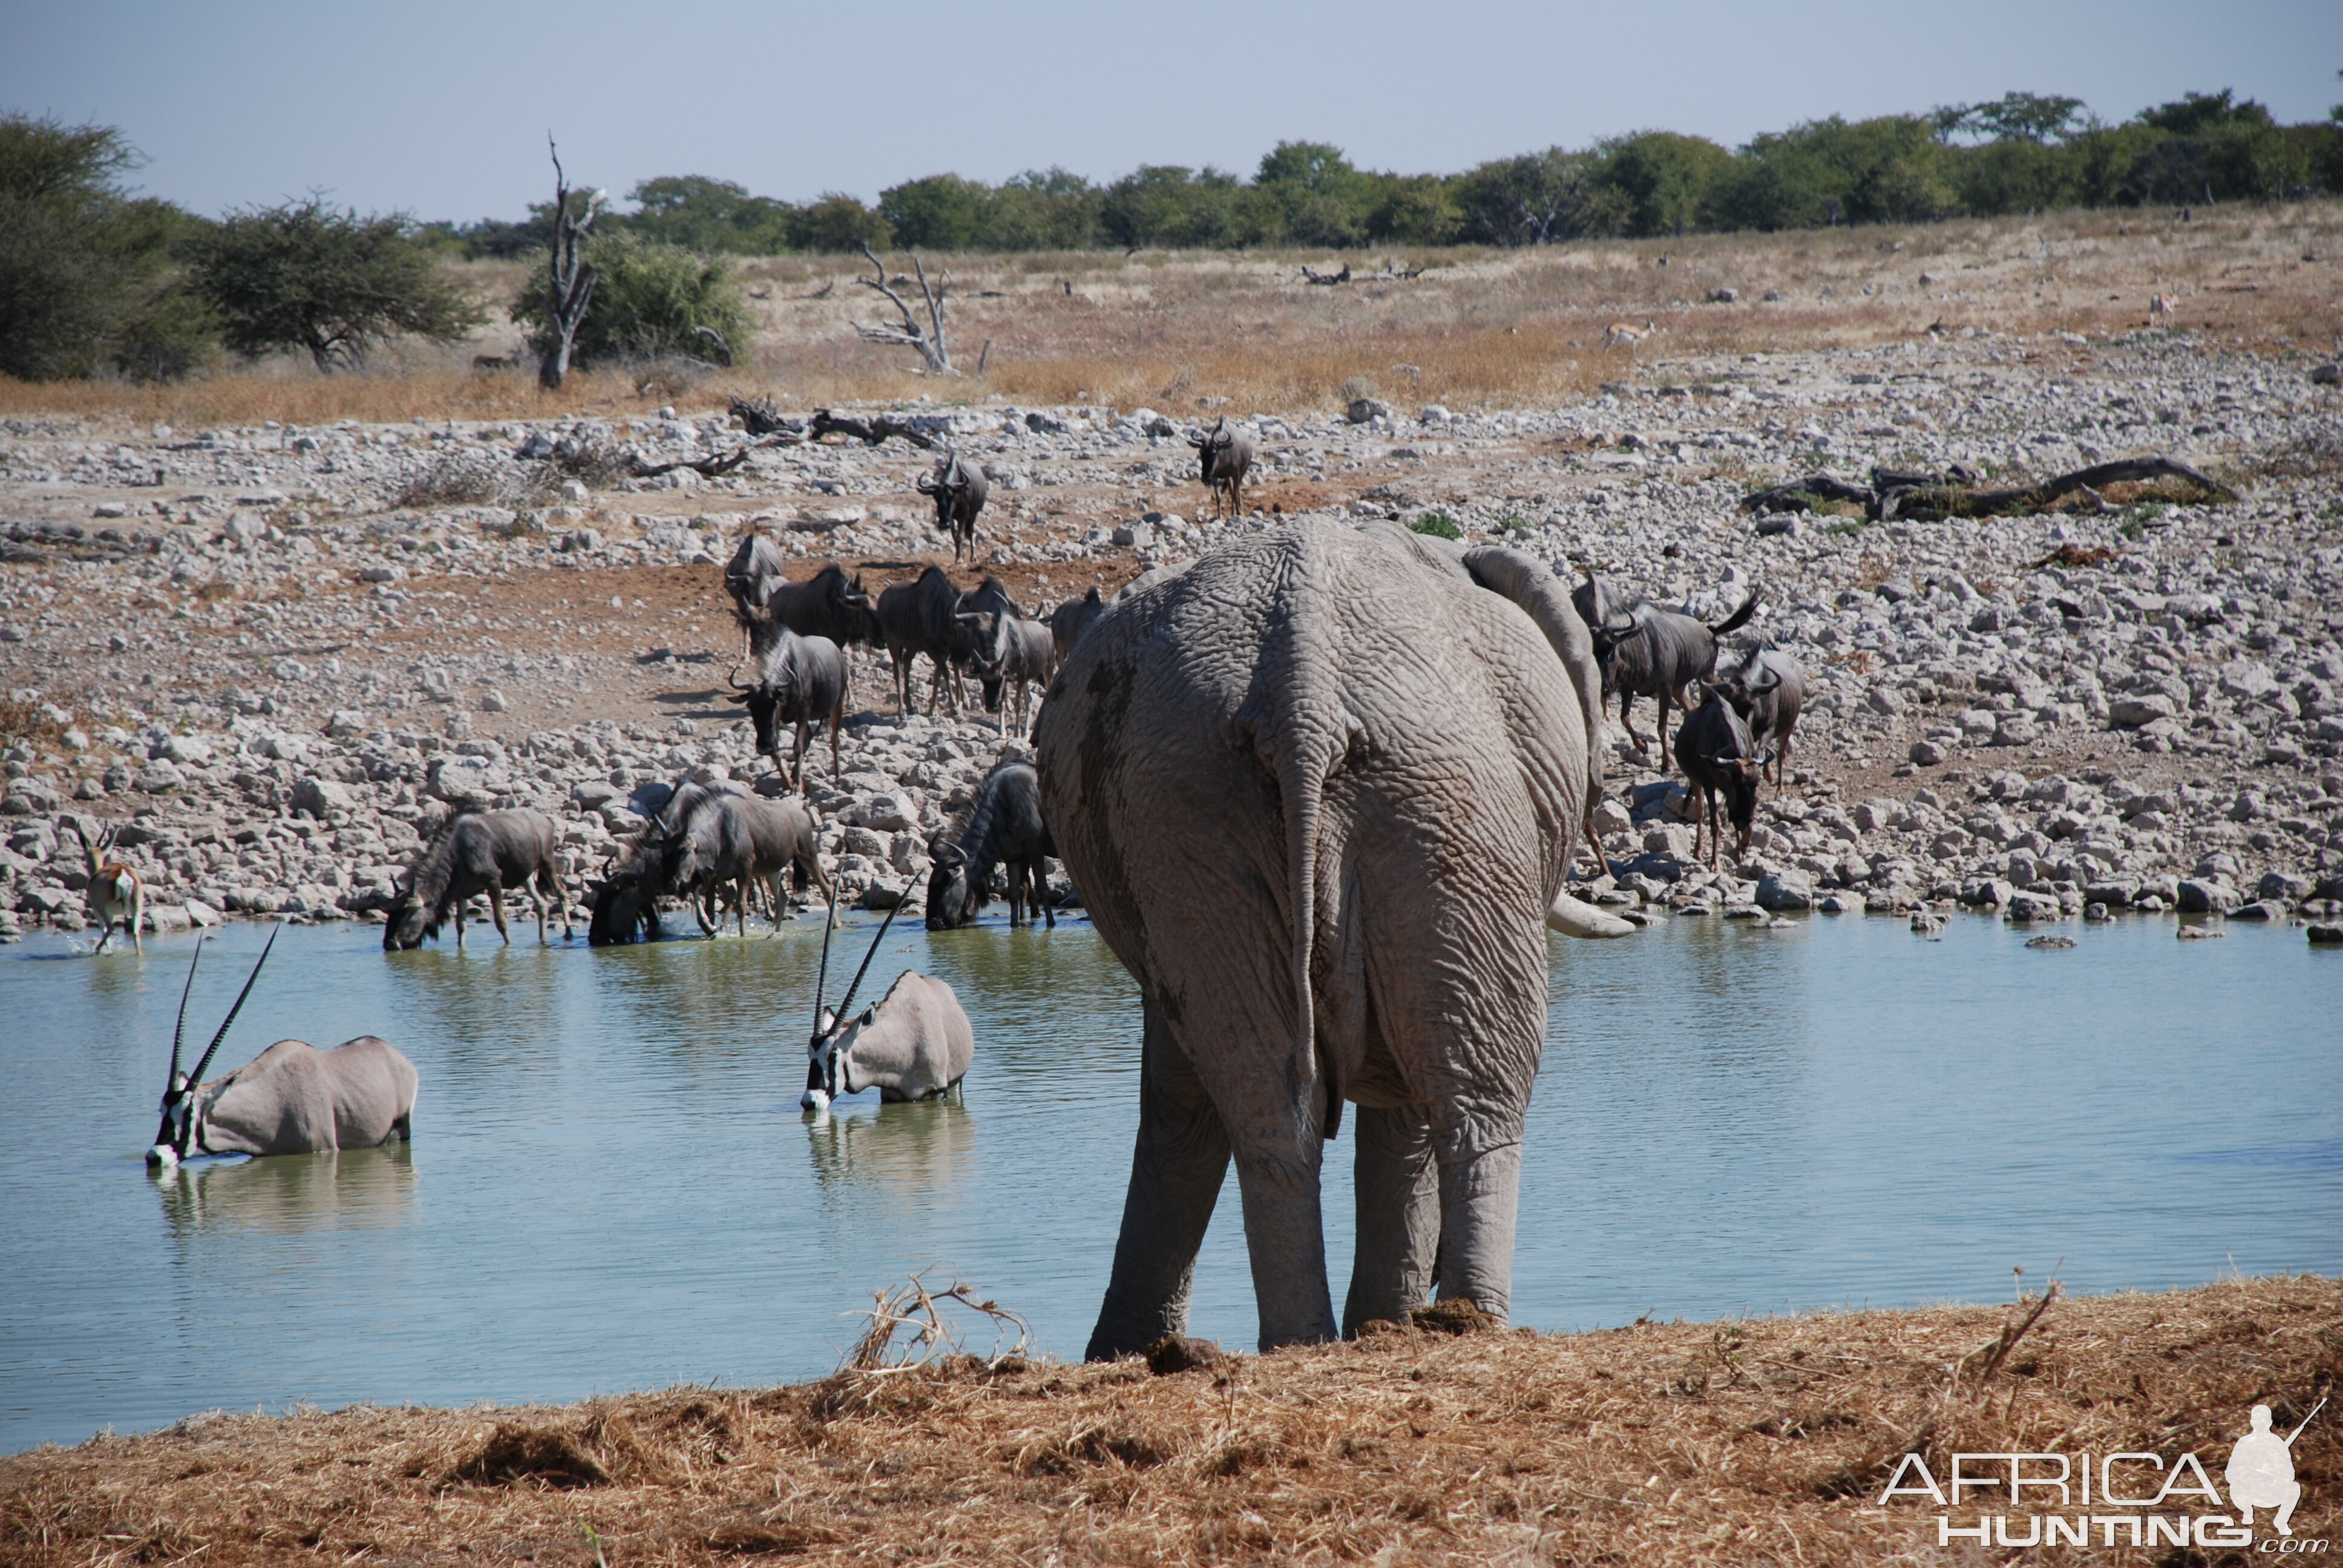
x=1241 y=333
x=1766 y=1441
x=1750 y=1442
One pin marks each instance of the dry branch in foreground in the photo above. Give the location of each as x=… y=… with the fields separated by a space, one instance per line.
x=1766 y=1441
x=1897 y=493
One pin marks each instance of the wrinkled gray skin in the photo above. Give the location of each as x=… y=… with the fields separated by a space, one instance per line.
x=292 y=1098
x=914 y=1044
x=1073 y=618
x=1319 y=791
x=1769 y=690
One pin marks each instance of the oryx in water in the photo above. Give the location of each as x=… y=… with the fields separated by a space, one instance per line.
x=291 y=1099
x=914 y=1043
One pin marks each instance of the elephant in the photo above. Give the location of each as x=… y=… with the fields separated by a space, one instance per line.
x=1320 y=791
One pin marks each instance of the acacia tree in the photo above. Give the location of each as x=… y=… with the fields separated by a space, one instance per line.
x=305 y=276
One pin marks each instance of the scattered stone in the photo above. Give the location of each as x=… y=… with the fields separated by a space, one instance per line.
x=2050 y=943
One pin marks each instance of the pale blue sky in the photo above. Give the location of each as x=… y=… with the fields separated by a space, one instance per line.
x=441 y=107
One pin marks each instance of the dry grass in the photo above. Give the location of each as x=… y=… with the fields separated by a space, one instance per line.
x=1184 y=331
x=1753 y=1442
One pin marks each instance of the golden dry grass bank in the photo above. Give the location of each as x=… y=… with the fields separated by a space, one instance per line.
x=1181 y=330
x=1763 y=1442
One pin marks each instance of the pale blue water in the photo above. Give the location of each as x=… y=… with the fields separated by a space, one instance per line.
x=611 y=1186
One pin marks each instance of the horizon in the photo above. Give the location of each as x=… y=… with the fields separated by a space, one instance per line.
x=401 y=131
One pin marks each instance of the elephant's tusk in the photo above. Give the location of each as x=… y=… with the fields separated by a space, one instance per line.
x=1573 y=918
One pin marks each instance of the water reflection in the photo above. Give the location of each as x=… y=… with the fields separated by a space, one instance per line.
x=904 y=1151
x=291 y=1195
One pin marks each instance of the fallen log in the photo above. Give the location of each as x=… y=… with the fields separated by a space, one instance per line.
x=871 y=432
x=1922 y=496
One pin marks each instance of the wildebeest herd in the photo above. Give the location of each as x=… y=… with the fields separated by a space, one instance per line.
x=1329 y=869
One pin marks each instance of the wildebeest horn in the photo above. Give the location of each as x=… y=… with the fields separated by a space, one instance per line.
x=847 y=1000
x=179 y=1031
x=925 y=483
x=197 y=1076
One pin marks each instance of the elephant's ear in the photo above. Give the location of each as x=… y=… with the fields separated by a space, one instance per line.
x=1524 y=579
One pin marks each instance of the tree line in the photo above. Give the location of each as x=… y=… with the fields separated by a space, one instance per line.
x=2023 y=152
x=96 y=281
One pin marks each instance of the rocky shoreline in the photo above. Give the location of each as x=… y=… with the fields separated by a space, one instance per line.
x=275 y=659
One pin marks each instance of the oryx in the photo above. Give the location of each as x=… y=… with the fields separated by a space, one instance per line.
x=291 y=1099
x=913 y=1043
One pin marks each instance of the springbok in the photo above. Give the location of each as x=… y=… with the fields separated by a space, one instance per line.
x=1620 y=334
x=291 y=1099
x=115 y=892
x=913 y=1043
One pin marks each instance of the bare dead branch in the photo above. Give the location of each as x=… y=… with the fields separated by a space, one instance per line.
x=928 y=341
x=569 y=286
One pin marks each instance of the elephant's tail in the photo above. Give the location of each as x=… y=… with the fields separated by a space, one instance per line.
x=1308 y=731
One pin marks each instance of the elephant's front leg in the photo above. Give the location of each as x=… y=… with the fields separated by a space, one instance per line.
x=1480 y=1194
x=1176 y=1172
x=1399 y=1217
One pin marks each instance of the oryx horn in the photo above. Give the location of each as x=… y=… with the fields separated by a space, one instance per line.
x=821 y=979
x=179 y=1029
x=848 y=1000
x=197 y=1076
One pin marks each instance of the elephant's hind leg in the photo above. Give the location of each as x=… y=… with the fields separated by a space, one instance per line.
x=1176 y=1171
x=1480 y=1195
x=1399 y=1216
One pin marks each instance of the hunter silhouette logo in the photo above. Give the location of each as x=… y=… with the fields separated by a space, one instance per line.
x=2121 y=1499
x=2261 y=1471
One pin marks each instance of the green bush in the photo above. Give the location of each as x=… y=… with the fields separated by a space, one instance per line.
x=86 y=281
x=1439 y=525
x=650 y=300
x=332 y=284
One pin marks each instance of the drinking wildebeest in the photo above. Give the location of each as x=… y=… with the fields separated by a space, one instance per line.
x=919 y=617
x=1769 y=690
x=735 y=841
x=1004 y=827
x=959 y=489
x=914 y=1043
x=477 y=852
x=1646 y=652
x=291 y=1099
x=115 y=892
x=1330 y=873
x=756 y=573
x=800 y=681
x=1713 y=748
x=1224 y=455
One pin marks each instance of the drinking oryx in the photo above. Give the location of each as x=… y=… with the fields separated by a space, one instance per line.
x=913 y=1043
x=291 y=1099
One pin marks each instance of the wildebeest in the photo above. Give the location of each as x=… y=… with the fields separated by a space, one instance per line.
x=477 y=852
x=913 y=1043
x=1224 y=455
x=1004 y=829
x=1713 y=748
x=959 y=488
x=919 y=617
x=1073 y=618
x=733 y=841
x=291 y=1099
x=1646 y=652
x=116 y=895
x=1769 y=690
x=757 y=572
x=800 y=682
x=829 y=604
x=1012 y=649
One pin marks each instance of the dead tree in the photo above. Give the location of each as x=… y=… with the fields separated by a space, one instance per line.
x=930 y=340
x=570 y=288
